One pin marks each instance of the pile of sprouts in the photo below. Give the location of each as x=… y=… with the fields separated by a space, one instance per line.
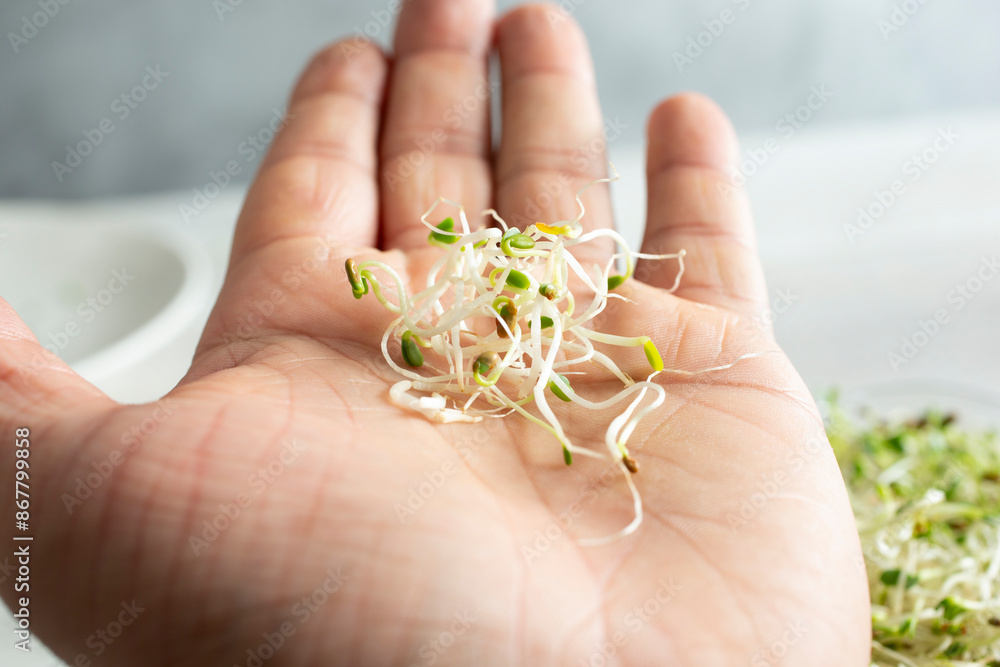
x=926 y=498
x=497 y=327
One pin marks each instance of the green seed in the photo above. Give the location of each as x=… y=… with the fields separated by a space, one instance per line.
x=359 y=285
x=513 y=241
x=653 y=356
x=615 y=281
x=548 y=290
x=555 y=389
x=891 y=578
x=446 y=225
x=522 y=242
x=485 y=363
x=950 y=608
x=411 y=353
x=518 y=280
x=508 y=312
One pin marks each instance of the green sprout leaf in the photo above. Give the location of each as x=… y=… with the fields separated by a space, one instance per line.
x=615 y=281
x=950 y=608
x=437 y=238
x=555 y=389
x=513 y=242
x=518 y=280
x=891 y=578
x=545 y=321
x=359 y=285
x=411 y=352
x=653 y=356
x=567 y=456
x=483 y=366
x=954 y=650
x=548 y=290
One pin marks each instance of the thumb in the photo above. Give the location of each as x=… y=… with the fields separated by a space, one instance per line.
x=44 y=406
x=35 y=384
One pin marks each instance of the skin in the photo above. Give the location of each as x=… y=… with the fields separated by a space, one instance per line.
x=747 y=555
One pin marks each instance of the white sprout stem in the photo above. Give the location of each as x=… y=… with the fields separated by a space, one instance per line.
x=497 y=315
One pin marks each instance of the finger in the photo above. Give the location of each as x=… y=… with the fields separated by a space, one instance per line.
x=38 y=390
x=693 y=205
x=552 y=142
x=436 y=141
x=319 y=177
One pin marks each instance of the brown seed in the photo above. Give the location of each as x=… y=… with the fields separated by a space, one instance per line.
x=630 y=463
x=508 y=312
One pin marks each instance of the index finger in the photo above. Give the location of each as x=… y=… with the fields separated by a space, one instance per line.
x=319 y=178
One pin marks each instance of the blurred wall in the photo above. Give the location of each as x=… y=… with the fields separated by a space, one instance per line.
x=211 y=74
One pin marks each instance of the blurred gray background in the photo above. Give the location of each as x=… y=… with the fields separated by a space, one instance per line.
x=229 y=65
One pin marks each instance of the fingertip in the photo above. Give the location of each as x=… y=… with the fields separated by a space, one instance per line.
x=32 y=375
x=534 y=35
x=691 y=129
x=445 y=24
x=13 y=327
x=355 y=64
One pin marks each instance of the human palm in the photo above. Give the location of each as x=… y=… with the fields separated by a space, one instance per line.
x=277 y=498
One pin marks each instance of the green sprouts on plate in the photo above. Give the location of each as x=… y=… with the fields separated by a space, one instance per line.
x=926 y=498
x=497 y=328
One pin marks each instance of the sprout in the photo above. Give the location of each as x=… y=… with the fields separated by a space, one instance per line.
x=927 y=506
x=411 y=353
x=652 y=355
x=555 y=389
x=514 y=244
x=444 y=239
x=548 y=290
x=359 y=286
x=542 y=331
